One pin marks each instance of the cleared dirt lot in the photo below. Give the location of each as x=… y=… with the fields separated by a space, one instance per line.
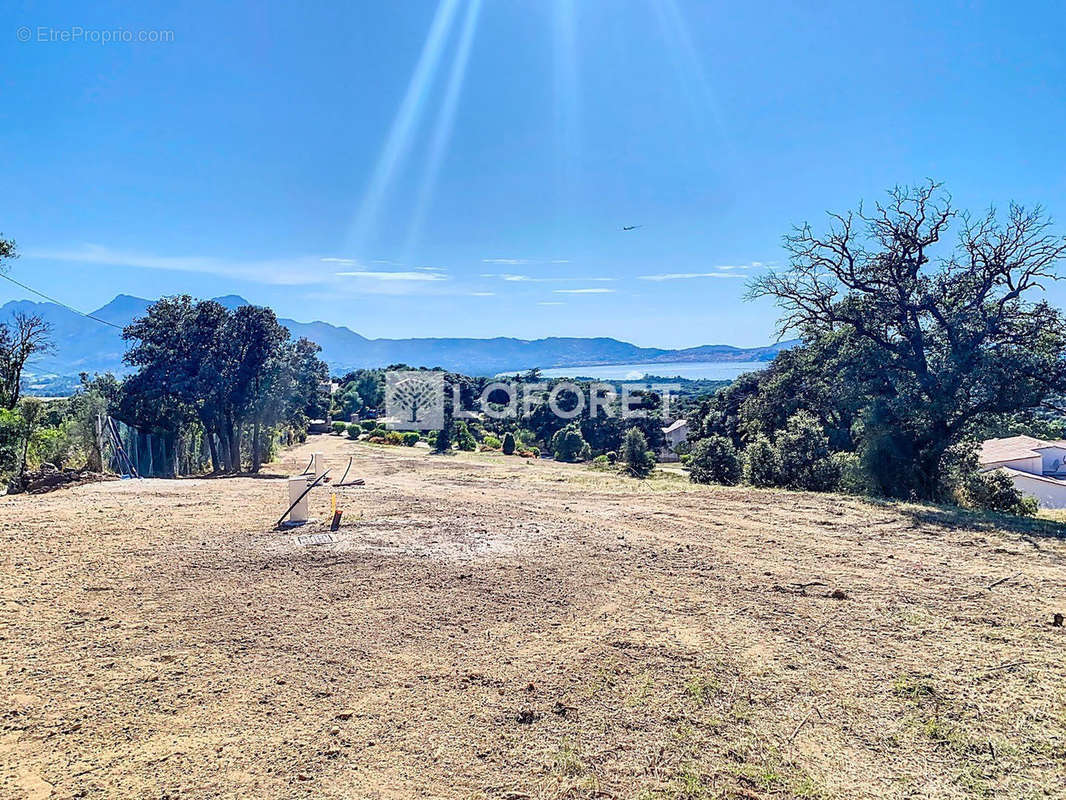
x=488 y=627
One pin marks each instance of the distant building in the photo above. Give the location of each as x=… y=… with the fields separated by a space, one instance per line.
x=675 y=433
x=1037 y=466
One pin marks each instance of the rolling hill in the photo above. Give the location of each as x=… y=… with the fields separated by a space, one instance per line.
x=86 y=345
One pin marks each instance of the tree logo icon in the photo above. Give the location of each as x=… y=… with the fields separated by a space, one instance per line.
x=414 y=400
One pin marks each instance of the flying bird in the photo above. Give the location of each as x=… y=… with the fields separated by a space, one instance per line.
x=631 y=227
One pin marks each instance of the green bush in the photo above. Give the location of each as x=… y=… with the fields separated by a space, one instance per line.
x=369 y=425
x=852 y=476
x=491 y=442
x=442 y=440
x=339 y=427
x=802 y=451
x=464 y=439
x=760 y=463
x=714 y=460
x=380 y=432
x=394 y=437
x=508 y=444
x=55 y=445
x=995 y=491
x=354 y=429
x=535 y=452
x=569 y=445
x=410 y=438
x=640 y=461
x=612 y=457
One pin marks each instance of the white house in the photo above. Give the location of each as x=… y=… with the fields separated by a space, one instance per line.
x=676 y=432
x=1037 y=466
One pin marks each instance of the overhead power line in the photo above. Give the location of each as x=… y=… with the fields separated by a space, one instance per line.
x=58 y=302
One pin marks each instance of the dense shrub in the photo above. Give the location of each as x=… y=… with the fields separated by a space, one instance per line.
x=995 y=491
x=339 y=427
x=852 y=478
x=714 y=460
x=54 y=445
x=508 y=444
x=640 y=461
x=802 y=450
x=410 y=438
x=490 y=442
x=354 y=429
x=612 y=457
x=442 y=439
x=369 y=425
x=464 y=439
x=760 y=463
x=394 y=437
x=380 y=431
x=569 y=445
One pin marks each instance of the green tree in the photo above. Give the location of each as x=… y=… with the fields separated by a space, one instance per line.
x=759 y=463
x=640 y=461
x=569 y=445
x=802 y=455
x=26 y=336
x=714 y=460
x=442 y=443
x=463 y=438
x=952 y=334
x=508 y=444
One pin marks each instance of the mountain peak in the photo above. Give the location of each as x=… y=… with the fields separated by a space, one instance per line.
x=231 y=301
x=122 y=309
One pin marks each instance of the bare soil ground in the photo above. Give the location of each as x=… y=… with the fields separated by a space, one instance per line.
x=487 y=627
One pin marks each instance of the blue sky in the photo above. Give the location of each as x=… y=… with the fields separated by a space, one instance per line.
x=455 y=168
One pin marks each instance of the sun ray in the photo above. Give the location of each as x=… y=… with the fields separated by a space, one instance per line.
x=445 y=124
x=567 y=103
x=690 y=67
x=401 y=133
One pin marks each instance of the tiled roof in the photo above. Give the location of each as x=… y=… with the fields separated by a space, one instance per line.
x=1014 y=447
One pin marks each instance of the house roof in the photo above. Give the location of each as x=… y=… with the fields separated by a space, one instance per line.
x=1014 y=447
x=1023 y=474
x=675 y=425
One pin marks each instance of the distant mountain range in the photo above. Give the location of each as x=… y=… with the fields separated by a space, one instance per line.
x=85 y=345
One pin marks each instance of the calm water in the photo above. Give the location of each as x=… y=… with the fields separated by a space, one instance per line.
x=712 y=371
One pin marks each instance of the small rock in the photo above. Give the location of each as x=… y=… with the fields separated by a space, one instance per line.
x=345 y=715
x=838 y=594
x=526 y=717
x=1056 y=621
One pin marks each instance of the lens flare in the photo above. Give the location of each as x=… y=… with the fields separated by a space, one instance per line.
x=445 y=124
x=567 y=105
x=690 y=67
x=402 y=132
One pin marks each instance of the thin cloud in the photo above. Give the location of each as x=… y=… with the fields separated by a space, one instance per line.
x=392 y=276
x=681 y=276
x=718 y=271
x=511 y=261
x=506 y=276
x=483 y=294
x=433 y=269
x=584 y=291
x=332 y=260
x=295 y=271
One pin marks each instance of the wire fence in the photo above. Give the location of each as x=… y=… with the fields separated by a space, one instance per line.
x=131 y=451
